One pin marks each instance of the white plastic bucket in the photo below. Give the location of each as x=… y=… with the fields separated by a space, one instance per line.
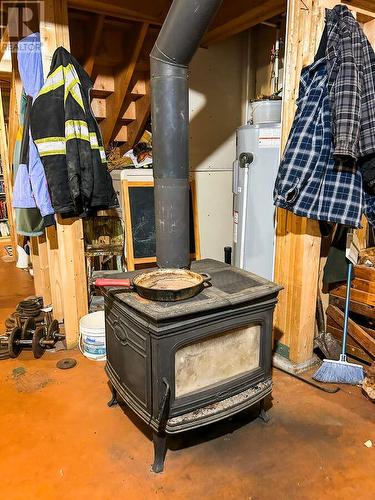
x=92 y=336
x=265 y=111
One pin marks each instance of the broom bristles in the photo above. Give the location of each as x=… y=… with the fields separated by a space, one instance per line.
x=339 y=372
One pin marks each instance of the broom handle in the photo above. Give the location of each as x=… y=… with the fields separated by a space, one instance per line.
x=347 y=304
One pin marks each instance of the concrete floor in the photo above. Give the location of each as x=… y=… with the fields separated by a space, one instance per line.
x=58 y=439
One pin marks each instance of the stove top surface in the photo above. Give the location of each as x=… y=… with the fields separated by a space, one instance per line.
x=230 y=286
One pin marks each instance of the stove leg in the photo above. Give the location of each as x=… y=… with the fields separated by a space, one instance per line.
x=263 y=414
x=113 y=401
x=160 y=449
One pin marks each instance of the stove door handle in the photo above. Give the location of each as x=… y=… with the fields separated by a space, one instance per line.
x=164 y=406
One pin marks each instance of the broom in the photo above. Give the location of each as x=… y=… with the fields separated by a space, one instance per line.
x=341 y=372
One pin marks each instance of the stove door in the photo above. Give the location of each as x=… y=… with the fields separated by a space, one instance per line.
x=213 y=358
x=219 y=359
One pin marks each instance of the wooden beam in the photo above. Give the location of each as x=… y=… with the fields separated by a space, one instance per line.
x=369 y=30
x=66 y=251
x=235 y=17
x=95 y=38
x=297 y=239
x=123 y=77
x=365 y=7
x=113 y=8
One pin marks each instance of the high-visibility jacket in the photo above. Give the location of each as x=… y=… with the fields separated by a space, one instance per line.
x=69 y=141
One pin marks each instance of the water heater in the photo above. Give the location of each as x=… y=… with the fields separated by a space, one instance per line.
x=254 y=174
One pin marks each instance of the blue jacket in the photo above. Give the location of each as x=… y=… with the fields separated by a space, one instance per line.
x=30 y=186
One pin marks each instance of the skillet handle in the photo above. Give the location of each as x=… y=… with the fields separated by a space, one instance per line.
x=206 y=280
x=124 y=282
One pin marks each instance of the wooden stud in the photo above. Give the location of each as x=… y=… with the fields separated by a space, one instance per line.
x=42 y=281
x=7 y=177
x=54 y=273
x=66 y=251
x=115 y=102
x=35 y=261
x=73 y=275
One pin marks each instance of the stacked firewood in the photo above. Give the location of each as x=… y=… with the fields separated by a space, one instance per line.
x=361 y=327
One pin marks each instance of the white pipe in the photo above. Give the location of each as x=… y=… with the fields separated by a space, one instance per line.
x=276 y=62
x=244 y=216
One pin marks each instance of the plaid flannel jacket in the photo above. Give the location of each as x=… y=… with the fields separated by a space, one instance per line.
x=308 y=183
x=351 y=84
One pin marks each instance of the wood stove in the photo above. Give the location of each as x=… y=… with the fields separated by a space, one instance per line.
x=181 y=365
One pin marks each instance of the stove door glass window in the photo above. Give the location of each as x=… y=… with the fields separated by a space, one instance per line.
x=216 y=360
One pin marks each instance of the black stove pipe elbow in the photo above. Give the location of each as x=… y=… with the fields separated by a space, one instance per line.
x=179 y=38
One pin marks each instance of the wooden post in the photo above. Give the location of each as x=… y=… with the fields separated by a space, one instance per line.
x=41 y=274
x=54 y=273
x=65 y=245
x=297 y=238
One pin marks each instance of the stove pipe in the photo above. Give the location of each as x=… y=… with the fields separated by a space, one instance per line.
x=179 y=38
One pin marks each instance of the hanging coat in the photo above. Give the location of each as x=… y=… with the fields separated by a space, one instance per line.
x=29 y=221
x=308 y=183
x=30 y=186
x=69 y=141
x=351 y=85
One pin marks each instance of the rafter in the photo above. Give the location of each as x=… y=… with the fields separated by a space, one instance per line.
x=122 y=79
x=96 y=35
x=116 y=8
x=241 y=15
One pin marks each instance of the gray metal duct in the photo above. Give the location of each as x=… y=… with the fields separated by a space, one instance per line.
x=177 y=42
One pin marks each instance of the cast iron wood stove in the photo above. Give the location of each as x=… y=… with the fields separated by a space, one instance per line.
x=182 y=365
